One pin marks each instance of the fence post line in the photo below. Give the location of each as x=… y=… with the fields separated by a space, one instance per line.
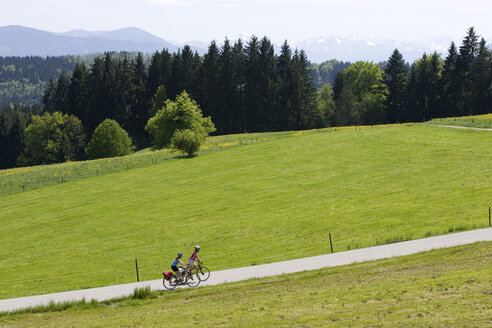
x=136 y=266
x=490 y=223
x=331 y=244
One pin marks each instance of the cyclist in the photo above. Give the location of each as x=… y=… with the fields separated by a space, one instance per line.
x=194 y=257
x=174 y=266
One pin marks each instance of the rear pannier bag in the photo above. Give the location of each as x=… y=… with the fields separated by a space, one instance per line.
x=168 y=275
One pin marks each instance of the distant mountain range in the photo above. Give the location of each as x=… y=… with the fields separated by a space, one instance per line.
x=24 y=41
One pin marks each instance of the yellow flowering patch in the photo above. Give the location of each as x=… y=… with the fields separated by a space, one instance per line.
x=228 y=144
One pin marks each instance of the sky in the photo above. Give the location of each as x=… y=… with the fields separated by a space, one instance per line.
x=292 y=20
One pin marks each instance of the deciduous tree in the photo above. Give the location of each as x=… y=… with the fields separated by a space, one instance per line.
x=181 y=114
x=109 y=140
x=53 y=138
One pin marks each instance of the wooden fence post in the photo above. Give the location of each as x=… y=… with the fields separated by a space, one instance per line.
x=136 y=266
x=331 y=244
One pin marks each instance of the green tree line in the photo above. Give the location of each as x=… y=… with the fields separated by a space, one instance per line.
x=249 y=88
x=244 y=88
x=432 y=87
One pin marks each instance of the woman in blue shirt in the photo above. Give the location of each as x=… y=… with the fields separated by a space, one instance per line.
x=174 y=266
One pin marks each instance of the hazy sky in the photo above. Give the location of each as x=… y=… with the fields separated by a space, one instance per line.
x=294 y=20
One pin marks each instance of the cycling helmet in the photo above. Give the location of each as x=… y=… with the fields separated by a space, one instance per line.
x=180 y=254
x=197 y=247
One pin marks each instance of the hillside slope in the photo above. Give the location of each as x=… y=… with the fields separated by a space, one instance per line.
x=247 y=205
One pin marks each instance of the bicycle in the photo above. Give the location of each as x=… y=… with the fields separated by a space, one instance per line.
x=203 y=273
x=188 y=277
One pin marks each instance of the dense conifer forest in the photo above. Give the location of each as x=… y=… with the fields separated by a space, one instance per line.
x=247 y=87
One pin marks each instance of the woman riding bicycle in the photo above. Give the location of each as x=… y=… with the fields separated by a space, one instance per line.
x=174 y=266
x=194 y=257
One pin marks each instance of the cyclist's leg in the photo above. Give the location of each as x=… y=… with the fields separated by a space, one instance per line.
x=176 y=271
x=180 y=273
x=191 y=265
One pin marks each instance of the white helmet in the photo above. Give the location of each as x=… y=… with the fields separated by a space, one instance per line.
x=197 y=247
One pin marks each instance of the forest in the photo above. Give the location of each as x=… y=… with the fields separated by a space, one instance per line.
x=24 y=79
x=249 y=88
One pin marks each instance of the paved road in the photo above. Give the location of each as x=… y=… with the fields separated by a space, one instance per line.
x=265 y=270
x=462 y=127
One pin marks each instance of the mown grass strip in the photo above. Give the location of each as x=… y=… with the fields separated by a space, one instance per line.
x=143 y=293
x=441 y=288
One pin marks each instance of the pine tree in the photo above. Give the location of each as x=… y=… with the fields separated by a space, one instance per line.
x=450 y=84
x=310 y=117
x=468 y=52
x=109 y=103
x=159 y=72
x=77 y=93
x=482 y=80
x=13 y=124
x=60 y=98
x=285 y=89
x=95 y=93
x=435 y=91
x=140 y=109
x=237 y=117
x=49 y=95
x=125 y=93
x=226 y=91
x=252 y=89
x=185 y=72
x=166 y=67
x=209 y=95
x=265 y=112
x=154 y=78
x=396 y=77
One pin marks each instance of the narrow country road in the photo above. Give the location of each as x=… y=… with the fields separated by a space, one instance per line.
x=462 y=127
x=265 y=270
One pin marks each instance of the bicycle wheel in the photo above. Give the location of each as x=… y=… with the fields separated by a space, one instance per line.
x=192 y=280
x=169 y=284
x=203 y=273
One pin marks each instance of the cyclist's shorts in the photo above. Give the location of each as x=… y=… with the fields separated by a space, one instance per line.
x=175 y=268
x=191 y=262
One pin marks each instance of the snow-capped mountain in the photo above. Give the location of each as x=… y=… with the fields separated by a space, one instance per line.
x=353 y=48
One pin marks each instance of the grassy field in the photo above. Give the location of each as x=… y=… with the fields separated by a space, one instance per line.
x=442 y=288
x=478 y=121
x=29 y=178
x=258 y=203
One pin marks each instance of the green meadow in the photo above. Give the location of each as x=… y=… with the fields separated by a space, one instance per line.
x=442 y=288
x=248 y=204
x=28 y=178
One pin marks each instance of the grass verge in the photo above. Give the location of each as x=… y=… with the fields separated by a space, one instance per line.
x=477 y=121
x=442 y=288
